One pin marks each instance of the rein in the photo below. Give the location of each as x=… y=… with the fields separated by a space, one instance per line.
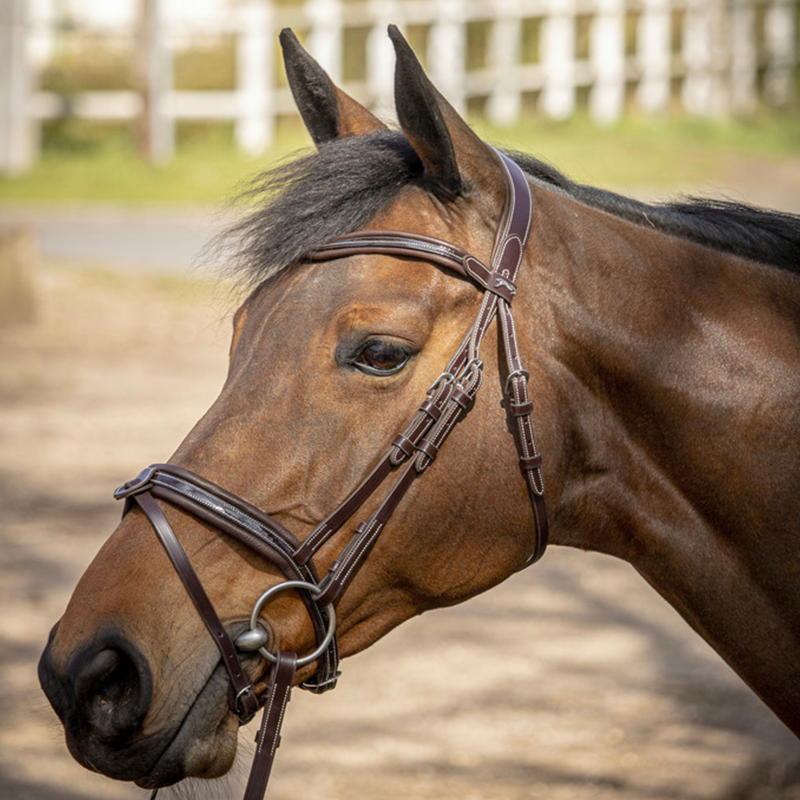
x=447 y=402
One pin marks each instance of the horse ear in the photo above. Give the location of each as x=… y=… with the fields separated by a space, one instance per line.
x=327 y=111
x=451 y=152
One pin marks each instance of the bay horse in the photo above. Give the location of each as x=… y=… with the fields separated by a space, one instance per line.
x=654 y=348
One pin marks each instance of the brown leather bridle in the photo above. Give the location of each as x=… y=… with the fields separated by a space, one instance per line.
x=447 y=402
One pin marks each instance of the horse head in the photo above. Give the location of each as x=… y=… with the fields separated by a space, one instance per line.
x=330 y=359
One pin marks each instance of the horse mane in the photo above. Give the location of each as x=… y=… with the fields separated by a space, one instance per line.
x=306 y=202
x=303 y=203
x=763 y=235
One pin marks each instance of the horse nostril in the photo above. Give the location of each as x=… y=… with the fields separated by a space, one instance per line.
x=106 y=678
x=112 y=691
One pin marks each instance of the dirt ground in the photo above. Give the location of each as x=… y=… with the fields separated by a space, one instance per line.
x=571 y=681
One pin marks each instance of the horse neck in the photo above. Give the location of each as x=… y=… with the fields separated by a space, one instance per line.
x=675 y=374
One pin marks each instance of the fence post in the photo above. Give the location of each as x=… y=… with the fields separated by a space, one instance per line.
x=608 y=61
x=779 y=30
x=743 y=57
x=696 y=89
x=653 y=56
x=157 y=126
x=325 y=36
x=505 y=102
x=447 y=52
x=558 y=59
x=719 y=44
x=16 y=125
x=255 y=123
x=380 y=56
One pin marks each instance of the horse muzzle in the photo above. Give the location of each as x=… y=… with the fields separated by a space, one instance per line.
x=103 y=695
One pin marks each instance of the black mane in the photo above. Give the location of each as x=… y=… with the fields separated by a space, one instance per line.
x=309 y=201
x=306 y=202
x=769 y=237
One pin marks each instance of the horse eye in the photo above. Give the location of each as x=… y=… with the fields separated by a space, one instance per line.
x=382 y=358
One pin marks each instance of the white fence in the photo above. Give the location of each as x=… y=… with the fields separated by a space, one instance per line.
x=713 y=57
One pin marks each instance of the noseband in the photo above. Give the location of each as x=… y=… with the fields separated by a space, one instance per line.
x=447 y=402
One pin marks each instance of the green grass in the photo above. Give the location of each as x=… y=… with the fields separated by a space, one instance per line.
x=83 y=165
x=94 y=166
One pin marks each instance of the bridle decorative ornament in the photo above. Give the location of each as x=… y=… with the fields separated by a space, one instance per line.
x=447 y=402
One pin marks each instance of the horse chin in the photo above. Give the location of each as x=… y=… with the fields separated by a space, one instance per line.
x=204 y=745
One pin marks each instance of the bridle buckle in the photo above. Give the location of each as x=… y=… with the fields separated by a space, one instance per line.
x=517 y=373
x=245 y=711
x=445 y=377
x=473 y=364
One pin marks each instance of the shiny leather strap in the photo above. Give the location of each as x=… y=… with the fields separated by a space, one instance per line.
x=245 y=703
x=237 y=518
x=451 y=401
x=268 y=738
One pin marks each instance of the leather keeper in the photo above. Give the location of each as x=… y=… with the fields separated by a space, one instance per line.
x=431 y=409
x=403 y=443
x=521 y=409
x=531 y=462
x=428 y=448
x=460 y=397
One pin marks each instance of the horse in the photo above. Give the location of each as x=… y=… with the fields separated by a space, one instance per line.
x=654 y=348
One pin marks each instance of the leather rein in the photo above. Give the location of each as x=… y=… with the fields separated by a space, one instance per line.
x=447 y=402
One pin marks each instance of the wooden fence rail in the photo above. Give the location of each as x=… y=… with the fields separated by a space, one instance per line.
x=713 y=57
